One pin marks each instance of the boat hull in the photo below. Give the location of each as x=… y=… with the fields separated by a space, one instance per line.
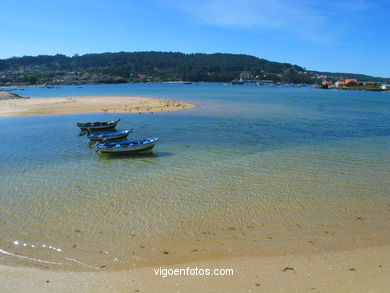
x=126 y=147
x=98 y=125
x=127 y=150
x=101 y=137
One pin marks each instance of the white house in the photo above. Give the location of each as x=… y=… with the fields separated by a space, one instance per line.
x=385 y=86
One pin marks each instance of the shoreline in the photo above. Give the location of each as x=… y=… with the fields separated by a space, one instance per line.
x=88 y=104
x=358 y=270
x=354 y=89
x=364 y=89
x=7 y=95
x=209 y=245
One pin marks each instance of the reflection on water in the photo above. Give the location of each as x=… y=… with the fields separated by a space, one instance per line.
x=251 y=170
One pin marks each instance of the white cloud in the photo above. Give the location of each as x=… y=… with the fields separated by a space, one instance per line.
x=304 y=18
x=244 y=13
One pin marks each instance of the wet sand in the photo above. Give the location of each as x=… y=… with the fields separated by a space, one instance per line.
x=76 y=105
x=272 y=265
x=6 y=95
x=360 y=270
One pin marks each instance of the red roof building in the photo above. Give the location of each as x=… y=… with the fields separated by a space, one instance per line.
x=348 y=81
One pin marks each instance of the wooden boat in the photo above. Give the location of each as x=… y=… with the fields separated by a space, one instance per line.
x=110 y=135
x=98 y=125
x=126 y=146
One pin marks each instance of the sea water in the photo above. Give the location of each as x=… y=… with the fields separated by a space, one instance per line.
x=251 y=170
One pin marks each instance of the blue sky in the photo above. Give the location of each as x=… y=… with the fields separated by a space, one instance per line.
x=338 y=36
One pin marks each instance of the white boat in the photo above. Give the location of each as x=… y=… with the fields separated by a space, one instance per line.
x=126 y=146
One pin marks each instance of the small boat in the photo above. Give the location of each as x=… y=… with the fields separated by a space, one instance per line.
x=238 y=82
x=110 y=135
x=98 y=125
x=126 y=146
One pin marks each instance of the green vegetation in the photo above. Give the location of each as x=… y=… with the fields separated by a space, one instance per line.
x=373 y=86
x=145 y=67
x=3 y=65
x=125 y=67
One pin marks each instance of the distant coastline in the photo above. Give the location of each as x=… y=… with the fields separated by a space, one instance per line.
x=354 y=89
x=129 y=67
x=364 y=89
x=353 y=84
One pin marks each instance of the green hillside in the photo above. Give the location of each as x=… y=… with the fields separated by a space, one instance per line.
x=147 y=67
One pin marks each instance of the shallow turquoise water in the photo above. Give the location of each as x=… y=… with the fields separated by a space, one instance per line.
x=265 y=157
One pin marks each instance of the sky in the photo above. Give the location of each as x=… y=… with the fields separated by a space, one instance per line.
x=337 y=36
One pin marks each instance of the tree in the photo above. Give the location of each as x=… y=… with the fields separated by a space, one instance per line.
x=32 y=78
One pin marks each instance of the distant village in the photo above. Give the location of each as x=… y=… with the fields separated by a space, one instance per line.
x=353 y=84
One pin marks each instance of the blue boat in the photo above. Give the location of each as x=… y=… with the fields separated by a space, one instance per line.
x=126 y=146
x=109 y=135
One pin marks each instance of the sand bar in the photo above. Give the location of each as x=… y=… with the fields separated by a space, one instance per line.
x=6 y=95
x=78 y=105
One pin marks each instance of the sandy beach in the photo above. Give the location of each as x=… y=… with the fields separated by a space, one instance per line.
x=360 y=270
x=76 y=105
x=275 y=264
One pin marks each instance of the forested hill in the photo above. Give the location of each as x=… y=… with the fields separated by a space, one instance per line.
x=146 y=67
